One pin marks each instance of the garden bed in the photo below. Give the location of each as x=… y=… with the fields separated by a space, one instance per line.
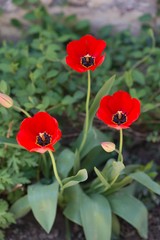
x=44 y=78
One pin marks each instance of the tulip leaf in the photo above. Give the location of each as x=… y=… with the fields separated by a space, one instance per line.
x=94 y=158
x=96 y=219
x=112 y=170
x=65 y=162
x=21 y=207
x=81 y=176
x=131 y=210
x=94 y=138
x=43 y=202
x=105 y=89
x=145 y=180
x=102 y=179
x=115 y=225
x=73 y=196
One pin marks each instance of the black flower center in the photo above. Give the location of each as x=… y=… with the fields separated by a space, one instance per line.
x=43 y=139
x=119 y=118
x=87 y=61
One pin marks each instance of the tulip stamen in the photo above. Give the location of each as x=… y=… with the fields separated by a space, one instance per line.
x=119 y=118
x=43 y=139
x=87 y=61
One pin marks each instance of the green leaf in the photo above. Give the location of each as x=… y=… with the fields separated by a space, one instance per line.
x=112 y=170
x=95 y=214
x=52 y=74
x=82 y=25
x=145 y=180
x=149 y=106
x=115 y=225
x=73 y=196
x=94 y=158
x=81 y=176
x=128 y=78
x=65 y=162
x=10 y=142
x=145 y=18
x=3 y=86
x=18 y=2
x=94 y=139
x=6 y=217
x=67 y=100
x=131 y=210
x=102 y=179
x=5 y=67
x=138 y=77
x=105 y=89
x=21 y=207
x=43 y=202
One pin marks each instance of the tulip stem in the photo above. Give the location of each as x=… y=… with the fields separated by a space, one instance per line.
x=120 y=145
x=22 y=110
x=86 y=124
x=117 y=151
x=85 y=127
x=55 y=169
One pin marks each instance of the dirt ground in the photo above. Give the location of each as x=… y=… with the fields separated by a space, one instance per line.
x=27 y=228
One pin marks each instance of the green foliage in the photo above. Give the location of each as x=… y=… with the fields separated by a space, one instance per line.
x=95 y=214
x=6 y=218
x=132 y=210
x=21 y=207
x=43 y=202
x=34 y=73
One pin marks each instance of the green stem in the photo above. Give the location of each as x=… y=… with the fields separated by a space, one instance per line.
x=86 y=124
x=22 y=110
x=55 y=169
x=85 y=128
x=68 y=232
x=120 y=145
x=45 y=166
x=117 y=151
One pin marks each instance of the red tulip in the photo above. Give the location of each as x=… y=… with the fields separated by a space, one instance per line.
x=85 y=54
x=119 y=110
x=39 y=133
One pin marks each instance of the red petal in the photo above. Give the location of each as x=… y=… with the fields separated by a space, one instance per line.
x=73 y=49
x=26 y=139
x=42 y=149
x=86 y=45
x=120 y=101
x=74 y=65
x=134 y=112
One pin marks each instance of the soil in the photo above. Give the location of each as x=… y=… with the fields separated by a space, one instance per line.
x=27 y=228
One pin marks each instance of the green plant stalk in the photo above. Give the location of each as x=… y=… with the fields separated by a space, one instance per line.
x=68 y=232
x=45 y=166
x=55 y=169
x=120 y=145
x=117 y=151
x=86 y=124
x=21 y=110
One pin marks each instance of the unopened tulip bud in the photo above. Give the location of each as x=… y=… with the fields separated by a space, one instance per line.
x=5 y=100
x=108 y=146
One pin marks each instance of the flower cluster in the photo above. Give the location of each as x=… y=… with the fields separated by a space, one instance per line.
x=41 y=132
